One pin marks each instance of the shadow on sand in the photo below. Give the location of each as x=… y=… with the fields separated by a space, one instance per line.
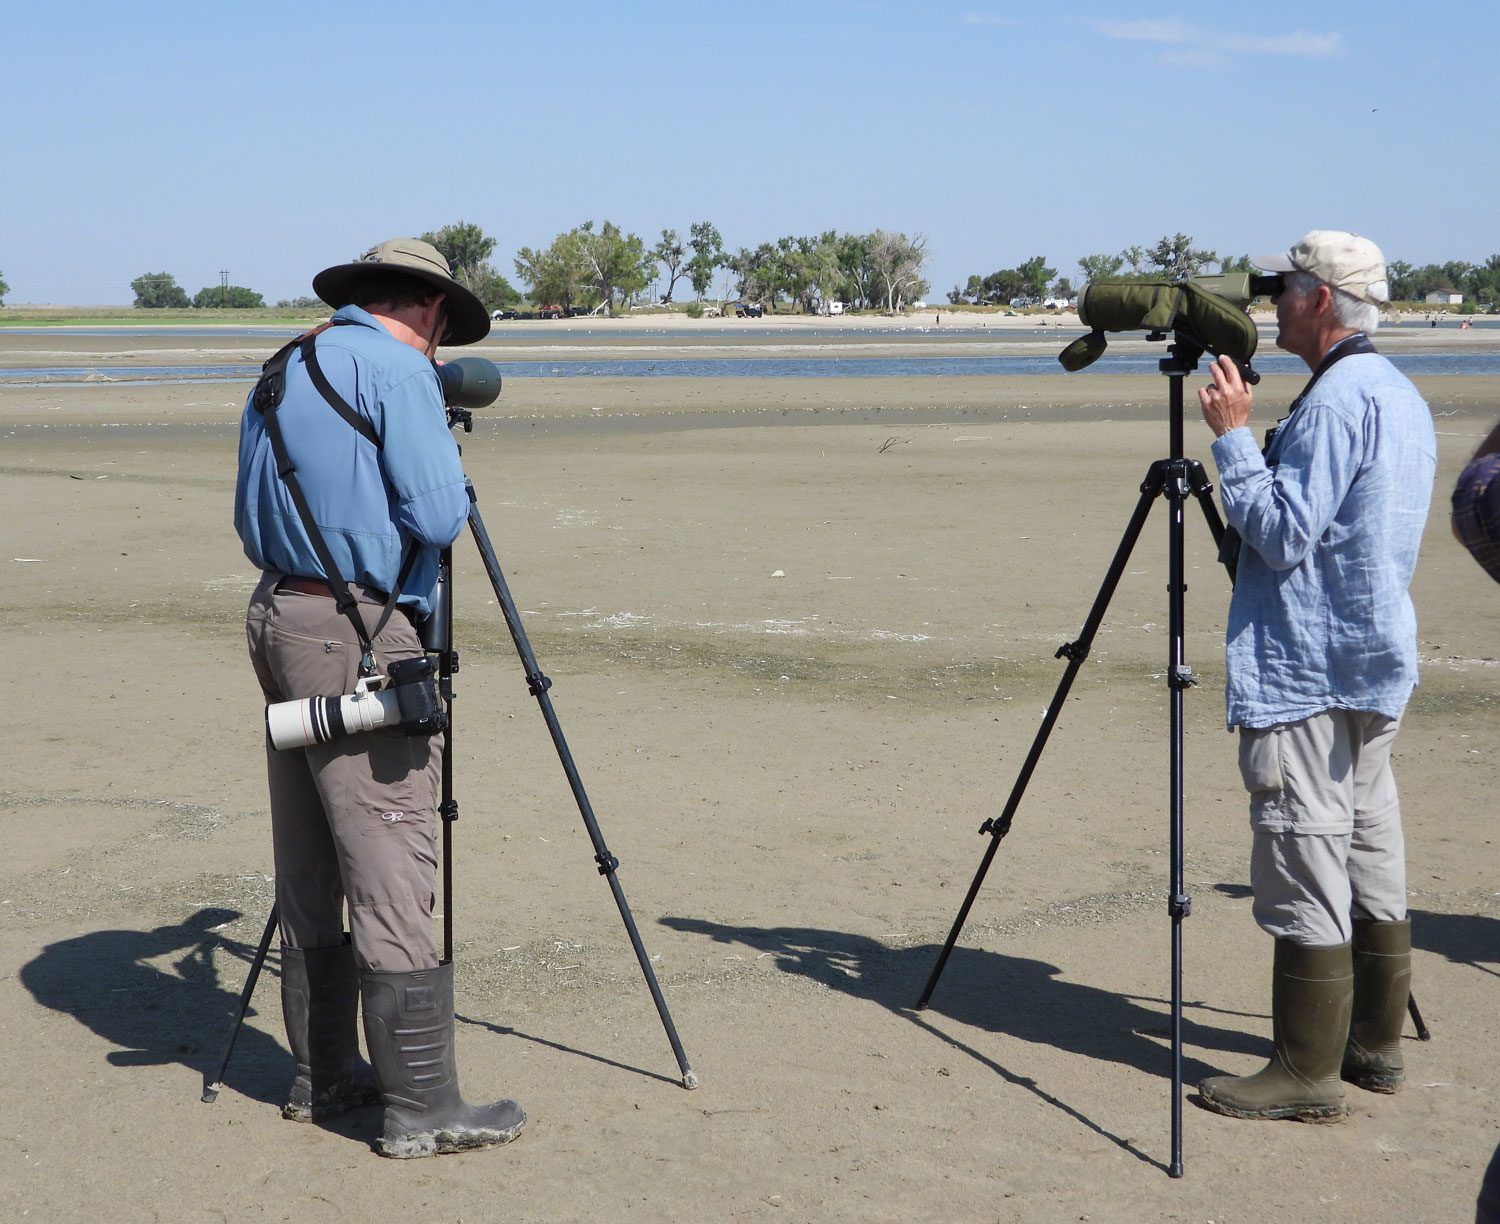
x=1012 y=995
x=1465 y=939
x=106 y=980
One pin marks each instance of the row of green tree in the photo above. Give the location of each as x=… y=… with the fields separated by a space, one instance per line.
x=160 y=291
x=604 y=268
x=1176 y=257
x=1173 y=257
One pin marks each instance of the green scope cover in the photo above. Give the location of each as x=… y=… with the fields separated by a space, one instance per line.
x=1218 y=325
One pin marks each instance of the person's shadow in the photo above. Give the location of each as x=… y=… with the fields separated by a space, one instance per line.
x=1003 y=994
x=105 y=980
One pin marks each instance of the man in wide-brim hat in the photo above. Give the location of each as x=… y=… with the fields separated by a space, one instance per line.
x=349 y=487
x=411 y=259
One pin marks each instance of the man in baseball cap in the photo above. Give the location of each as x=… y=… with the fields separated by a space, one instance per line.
x=1321 y=660
x=349 y=487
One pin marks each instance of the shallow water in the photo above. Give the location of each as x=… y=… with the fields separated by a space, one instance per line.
x=1411 y=364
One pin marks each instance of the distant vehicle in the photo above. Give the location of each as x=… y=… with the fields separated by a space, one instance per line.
x=833 y=308
x=746 y=310
x=504 y=314
x=1056 y=303
x=550 y=312
x=1020 y=303
x=577 y=312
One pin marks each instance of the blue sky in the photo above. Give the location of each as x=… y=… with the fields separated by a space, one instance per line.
x=273 y=139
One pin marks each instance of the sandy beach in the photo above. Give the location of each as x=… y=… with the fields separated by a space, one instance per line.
x=801 y=635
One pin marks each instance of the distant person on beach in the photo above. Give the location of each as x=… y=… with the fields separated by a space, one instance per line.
x=349 y=486
x=1322 y=659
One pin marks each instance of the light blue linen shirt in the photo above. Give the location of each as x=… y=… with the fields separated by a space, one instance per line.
x=368 y=503
x=1332 y=518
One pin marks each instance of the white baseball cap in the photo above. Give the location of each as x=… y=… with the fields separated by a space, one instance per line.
x=1338 y=259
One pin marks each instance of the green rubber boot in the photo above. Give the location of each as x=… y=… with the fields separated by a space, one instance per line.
x=1382 y=984
x=1312 y=992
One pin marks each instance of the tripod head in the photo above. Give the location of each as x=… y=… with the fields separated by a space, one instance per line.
x=1185 y=351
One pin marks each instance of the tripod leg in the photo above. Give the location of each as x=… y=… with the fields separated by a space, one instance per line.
x=1179 y=679
x=437 y=637
x=608 y=864
x=1423 y=1032
x=211 y=1085
x=1075 y=652
x=1202 y=488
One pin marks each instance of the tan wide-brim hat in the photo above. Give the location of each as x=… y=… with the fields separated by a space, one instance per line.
x=468 y=320
x=1345 y=261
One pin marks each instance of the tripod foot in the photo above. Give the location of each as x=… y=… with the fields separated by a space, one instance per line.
x=210 y=1093
x=689 y=1080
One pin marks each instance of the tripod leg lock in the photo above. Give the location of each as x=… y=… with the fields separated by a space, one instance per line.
x=538 y=684
x=996 y=828
x=1074 y=652
x=448 y=810
x=608 y=863
x=1180 y=906
x=1182 y=677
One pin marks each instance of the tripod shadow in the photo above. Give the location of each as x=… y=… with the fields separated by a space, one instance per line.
x=1465 y=939
x=1012 y=995
x=505 y=1030
x=105 y=980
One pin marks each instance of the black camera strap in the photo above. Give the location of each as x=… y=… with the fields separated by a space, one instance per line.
x=267 y=397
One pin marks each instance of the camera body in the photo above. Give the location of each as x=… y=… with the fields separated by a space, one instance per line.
x=405 y=698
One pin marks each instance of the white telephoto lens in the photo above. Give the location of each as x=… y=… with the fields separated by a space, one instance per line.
x=316 y=720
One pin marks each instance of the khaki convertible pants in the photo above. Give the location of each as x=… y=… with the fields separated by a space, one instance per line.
x=1327 y=825
x=355 y=818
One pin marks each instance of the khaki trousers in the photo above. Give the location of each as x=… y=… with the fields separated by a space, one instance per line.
x=1327 y=825
x=355 y=819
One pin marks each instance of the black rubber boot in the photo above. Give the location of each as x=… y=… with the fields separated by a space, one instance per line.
x=1312 y=991
x=1382 y=984
x=320 y=1004
x=409 y=1031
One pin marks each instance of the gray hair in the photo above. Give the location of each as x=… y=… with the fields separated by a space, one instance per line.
x=1349 y=310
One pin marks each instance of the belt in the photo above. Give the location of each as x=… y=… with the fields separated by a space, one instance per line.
x=318 y=586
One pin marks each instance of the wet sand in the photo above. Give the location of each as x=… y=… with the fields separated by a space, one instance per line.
x=801 y=634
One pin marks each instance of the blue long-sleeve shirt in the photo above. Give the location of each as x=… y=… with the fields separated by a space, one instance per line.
x=1332 y=518
x=368 y=502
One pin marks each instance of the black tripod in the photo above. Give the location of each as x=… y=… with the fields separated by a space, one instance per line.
x=1176 y=478
x=439 y=639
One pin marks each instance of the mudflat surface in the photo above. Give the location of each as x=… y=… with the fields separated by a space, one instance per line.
x=801 y=635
